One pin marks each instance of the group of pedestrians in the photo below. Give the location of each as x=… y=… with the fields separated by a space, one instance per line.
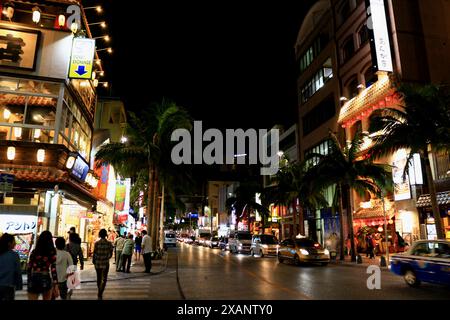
x=124 y=245
x=48 y=264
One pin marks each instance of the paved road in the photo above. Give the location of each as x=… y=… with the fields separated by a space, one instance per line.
x=213 y=274
x=203 y=273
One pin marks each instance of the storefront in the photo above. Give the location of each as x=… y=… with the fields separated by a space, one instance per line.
x=20 y=221
x=427 y=222
x=369 y=219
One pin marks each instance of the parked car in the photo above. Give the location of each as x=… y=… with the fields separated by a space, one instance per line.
x=264 y=244
x=203 y=237
x=302 y=251
x=223 y=243
x=170 y=239
x=213 y=242
x=241 y=242
x=426 y=260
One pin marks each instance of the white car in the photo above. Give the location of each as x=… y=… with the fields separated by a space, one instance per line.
x=170 y=239
x=241 y=242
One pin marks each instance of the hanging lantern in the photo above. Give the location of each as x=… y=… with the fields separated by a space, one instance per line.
x=391 y=221
x=380 y=229
x=18 y=132
x=11 y=153
x=40 y=155
x=8 y=11
x=74 y=27
x=36 y=15
x=6 y=114
x=61 y=20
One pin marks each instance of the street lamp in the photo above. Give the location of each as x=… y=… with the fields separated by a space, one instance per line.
x=99 y=9
x=102 y=24
x=105 y=49
x=385 y=263
x=106 y=38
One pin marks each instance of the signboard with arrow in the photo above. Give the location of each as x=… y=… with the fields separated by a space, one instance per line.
x=82 y=58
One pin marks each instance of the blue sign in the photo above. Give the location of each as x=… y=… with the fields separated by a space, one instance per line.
x=193 y=215
x=80 y=169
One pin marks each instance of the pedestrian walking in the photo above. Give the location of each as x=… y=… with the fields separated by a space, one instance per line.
x=147 y=251
x=137 y=247
x=75 y=250
x=10 y=272
x=63 y=261
x=127 y=253
x=41 y=271
x=369 y=247
x=118 y=244
x=103 y=250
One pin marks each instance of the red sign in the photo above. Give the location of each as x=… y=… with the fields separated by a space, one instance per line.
x=123 y=218
x=103 y=173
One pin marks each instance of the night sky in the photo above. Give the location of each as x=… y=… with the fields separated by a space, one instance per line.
x=230 y=63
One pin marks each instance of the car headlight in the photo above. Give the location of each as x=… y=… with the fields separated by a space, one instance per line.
x=304 y=252
x=240 y=245
x=265 y=246
x=326 y=252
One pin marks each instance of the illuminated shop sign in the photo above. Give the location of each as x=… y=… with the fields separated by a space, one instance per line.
x=80 y=168
x=82 y=58
x=402 y=190
x=376 y=22
x=17 y=224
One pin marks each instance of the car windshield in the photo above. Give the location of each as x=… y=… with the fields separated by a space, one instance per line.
x=307 y=243
x=170 y=235
x=214 y=239
x=267 y=239
x=244 y=236
x=205 y=235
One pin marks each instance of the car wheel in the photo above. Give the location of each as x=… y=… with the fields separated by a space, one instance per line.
x=261 y=253
x=411 y=278
x=280 y=259
x=296 y=260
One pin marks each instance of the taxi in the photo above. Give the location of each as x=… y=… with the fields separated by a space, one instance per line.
x=426 y=260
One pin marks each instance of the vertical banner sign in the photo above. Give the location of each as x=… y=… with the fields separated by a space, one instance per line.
x=102 y=186
x=82 y=58
x=377 y=24
x=402 y=190
x=121 y=190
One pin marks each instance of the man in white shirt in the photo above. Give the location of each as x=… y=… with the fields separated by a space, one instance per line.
x=118 y=244
x=147 y=251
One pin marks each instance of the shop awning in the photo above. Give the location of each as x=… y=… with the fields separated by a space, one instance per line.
x=372 y=213
x=442 y=198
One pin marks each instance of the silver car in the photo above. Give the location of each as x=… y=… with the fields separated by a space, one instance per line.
x=264 y=244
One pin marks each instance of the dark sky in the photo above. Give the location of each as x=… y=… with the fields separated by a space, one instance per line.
x=230 y=63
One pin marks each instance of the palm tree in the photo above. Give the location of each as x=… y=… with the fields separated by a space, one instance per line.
x=421 y=124
x=348 y=169
x=245 y=203
x=296 y=181
x=147 y=152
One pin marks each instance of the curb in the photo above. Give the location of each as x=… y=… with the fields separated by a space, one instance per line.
x=129 y=277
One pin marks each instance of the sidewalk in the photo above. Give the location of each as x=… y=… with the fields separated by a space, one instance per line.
x=136 y=271
x=365 y=261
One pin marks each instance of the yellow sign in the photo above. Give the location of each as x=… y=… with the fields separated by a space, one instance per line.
x=82 y=58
